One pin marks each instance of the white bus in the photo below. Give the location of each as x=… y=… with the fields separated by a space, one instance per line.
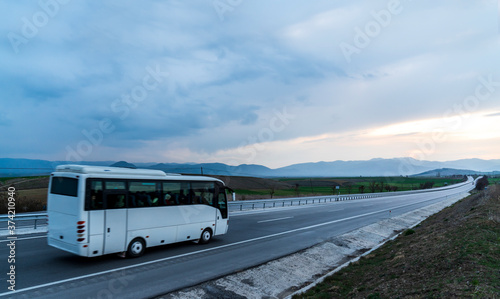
x=95 y=210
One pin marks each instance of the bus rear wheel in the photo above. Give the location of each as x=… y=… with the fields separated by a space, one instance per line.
x=136 y=248
x=206 y=236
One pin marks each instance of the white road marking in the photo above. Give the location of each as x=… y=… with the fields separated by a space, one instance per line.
x=274 y=219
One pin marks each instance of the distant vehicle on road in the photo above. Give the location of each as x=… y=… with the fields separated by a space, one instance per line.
x=94 y=210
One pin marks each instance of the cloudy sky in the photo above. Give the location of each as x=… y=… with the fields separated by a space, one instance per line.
x=249 y=81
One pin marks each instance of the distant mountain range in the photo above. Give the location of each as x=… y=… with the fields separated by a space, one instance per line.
x=444 y=172
x=374 y=167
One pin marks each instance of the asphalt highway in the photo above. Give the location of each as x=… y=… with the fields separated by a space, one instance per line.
x=254 y=237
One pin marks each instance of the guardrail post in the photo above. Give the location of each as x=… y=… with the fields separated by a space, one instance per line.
x=253 y=206
x=35 y=222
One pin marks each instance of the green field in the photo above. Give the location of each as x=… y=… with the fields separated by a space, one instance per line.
x=494 y=180
x=328 y=186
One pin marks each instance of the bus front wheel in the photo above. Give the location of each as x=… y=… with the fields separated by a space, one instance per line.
x=136 y=248
x=206 y=236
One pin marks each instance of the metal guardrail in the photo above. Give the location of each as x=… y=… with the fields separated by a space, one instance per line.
x=24 y=217
x=297 y=201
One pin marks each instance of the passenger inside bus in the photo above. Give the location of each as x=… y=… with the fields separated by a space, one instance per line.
x=183 y=198
x=144 y=200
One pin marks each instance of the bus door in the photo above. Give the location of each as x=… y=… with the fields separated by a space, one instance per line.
x=115 y=221
x=221 y=217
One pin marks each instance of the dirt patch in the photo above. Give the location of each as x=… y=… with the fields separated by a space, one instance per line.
x=25 y=183
x=319 y=182
x=453 y=254
x=252 y=183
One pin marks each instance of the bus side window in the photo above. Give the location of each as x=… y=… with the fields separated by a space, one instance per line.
x=183 y=197
x=132 y=202
x=185 y=194
x=222 y=203
x=114 y=194
x=115 y=201
x=203 y=192
x=222 y=200
x=156 y=196
x=172 y=193
x=96 y=200
x=143 y=194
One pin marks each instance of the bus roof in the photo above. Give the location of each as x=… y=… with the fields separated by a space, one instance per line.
x=110 y=170
x=120 y=172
